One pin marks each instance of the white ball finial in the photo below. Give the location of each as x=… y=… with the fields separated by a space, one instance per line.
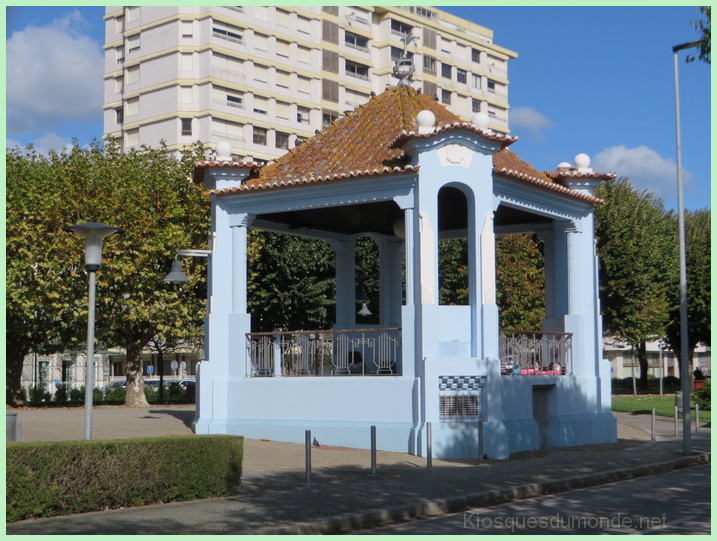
x=425 y=120
x=481 y=121
x=562 y=166
x=224 y=151
x=582 y=162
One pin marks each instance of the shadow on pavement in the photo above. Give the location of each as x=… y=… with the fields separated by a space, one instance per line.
x=186 y=416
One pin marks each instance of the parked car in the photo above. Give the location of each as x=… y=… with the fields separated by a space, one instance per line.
x=116 y=385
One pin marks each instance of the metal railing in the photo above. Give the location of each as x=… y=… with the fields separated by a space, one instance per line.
x=335 y=352
x=535 y=352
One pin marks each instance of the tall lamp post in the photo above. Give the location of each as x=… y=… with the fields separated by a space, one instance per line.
x=684 y=353
x=93 y=233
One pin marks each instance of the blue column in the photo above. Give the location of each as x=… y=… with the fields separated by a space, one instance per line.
x=345 y=283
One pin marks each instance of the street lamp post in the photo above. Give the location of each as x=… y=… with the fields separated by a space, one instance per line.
x=684 y=353
x=93 y=233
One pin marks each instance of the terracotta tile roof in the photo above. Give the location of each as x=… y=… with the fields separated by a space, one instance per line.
x=507 y=164
x=360 y=140
x=368 y=141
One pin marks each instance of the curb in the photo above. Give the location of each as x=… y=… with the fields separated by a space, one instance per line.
x=349 y=522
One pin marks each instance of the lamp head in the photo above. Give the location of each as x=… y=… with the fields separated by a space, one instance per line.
x=93 y=233
x=176 y=275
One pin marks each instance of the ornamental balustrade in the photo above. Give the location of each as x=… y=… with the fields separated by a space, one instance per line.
x=338 y=352
x=535 y=352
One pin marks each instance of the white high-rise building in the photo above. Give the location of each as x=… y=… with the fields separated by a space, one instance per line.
x=265 y=78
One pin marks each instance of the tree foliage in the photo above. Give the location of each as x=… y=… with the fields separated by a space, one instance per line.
x=149 y=194
x=520 y=282
x=636 y=243
x=705 y=29
x=291 y=282
x=699 y=301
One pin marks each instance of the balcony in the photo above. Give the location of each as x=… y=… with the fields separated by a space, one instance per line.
x=535 y=353
x=338 y=352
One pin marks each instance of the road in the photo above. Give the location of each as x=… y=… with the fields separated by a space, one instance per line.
x=673 y=503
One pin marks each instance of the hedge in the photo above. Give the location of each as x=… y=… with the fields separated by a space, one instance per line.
x=45 y=479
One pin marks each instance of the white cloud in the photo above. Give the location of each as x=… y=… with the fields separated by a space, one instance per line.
x=645 y=167
x=45 y=143
x=530 y=120
x=54 y=73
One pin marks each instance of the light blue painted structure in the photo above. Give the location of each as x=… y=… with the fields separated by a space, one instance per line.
x=436 y=341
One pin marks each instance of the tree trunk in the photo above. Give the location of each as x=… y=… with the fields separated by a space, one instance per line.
x=14 y=359
x=135 y=382
x=642 y=360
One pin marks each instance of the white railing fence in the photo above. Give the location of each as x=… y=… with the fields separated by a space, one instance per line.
x=535 y=352
x=364 y=352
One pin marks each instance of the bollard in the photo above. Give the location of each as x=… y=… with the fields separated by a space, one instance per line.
x=480 y=441
x=676 y=415
x=11 y=426
x=308 y=456
x=697 y=418
x=652 y=425
x=429 y=446
x=373 y=450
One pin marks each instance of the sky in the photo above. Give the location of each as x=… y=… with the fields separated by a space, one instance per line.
x=593 y=80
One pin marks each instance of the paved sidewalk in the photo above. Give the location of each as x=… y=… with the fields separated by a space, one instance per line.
x=343 y=495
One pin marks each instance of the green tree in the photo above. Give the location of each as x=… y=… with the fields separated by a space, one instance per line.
x=636 y=246
x=520 y=282
x=291 y=282
x=699 y=301
x=150 y=195
x=705 y=29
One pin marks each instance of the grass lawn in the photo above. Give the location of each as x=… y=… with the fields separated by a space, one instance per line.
x=664 y=405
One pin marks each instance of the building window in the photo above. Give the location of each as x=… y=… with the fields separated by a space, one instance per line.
x=354 y=69
x=429 y=38
x=475 y=55
x=186 y=126
x=491 y=85
x=261 y=105
x=281 y=140
x=330 y=31
x=330 y=61
x=445 y=97
x=226 y=31
x=328 y=118
x=429 y=89
x=330 y=90
x=133 y=43
x=119 y=114
x=355 y=41
x=282 y=109
x=475 y=80
x=302 y=115
x=132 y=13
x=133 y=74
x=461 y=76
x=397 y=53
x=475 y=105
x=429 y=64
x=259 y=136
x=187 y=29
x=261 y=42
x=303 y=54
x=303 y=25
x=446 y=70
x=283 y=48
x=235 y=99
x=332 y=10
x=400 y=29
